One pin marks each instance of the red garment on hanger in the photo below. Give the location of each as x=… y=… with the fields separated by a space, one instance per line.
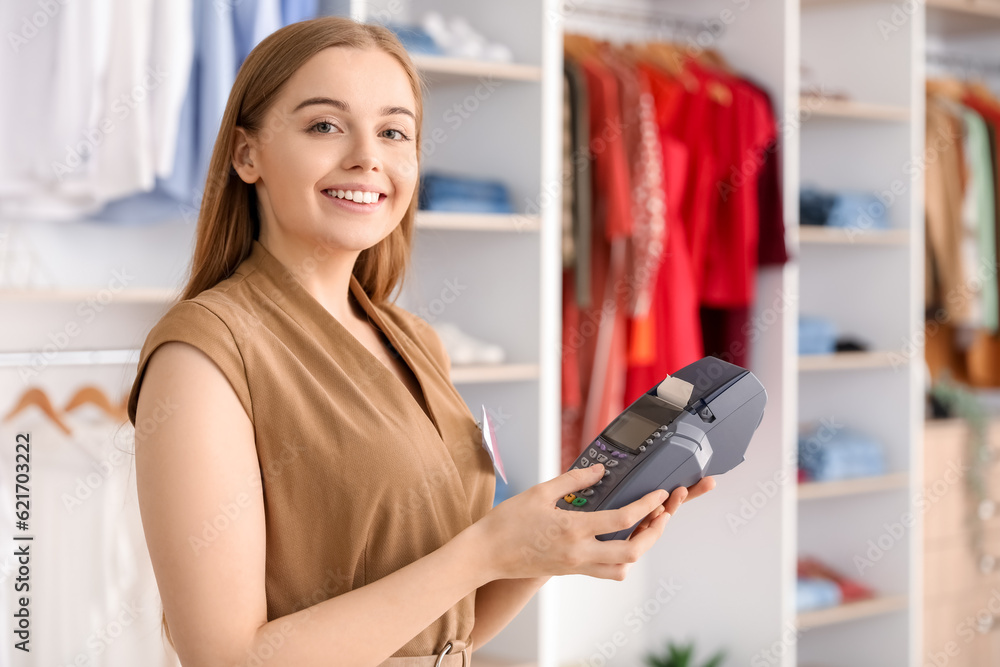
x=672 y=323
x=594 y=351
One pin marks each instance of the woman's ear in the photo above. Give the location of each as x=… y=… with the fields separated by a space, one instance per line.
x=244 y=150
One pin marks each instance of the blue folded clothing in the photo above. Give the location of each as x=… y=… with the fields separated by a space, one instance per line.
x=816 y=593
x=827 y=454
x=858 y=210
x=415 y=39
x=442 y=192
x=815 y=206
x=817 y=335
x=845 y=209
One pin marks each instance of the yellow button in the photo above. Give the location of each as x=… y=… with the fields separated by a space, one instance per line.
x=569 y=497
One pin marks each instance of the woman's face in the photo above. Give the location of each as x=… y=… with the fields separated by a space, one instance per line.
x=335 y=163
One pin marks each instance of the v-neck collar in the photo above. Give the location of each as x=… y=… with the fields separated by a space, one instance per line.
x=285 y=290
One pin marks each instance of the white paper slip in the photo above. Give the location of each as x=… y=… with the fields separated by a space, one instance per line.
x=490 y=444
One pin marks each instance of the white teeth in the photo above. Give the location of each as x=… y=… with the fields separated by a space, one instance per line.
x=358 y=196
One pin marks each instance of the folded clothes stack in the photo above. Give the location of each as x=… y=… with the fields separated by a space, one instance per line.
x=463 y=349
x=453 y=37
x=819 y=586
x=445 y=192
x=827 y=454
x=846 y=209
x=817 y=335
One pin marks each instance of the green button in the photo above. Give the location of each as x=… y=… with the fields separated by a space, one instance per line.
x=580 y=501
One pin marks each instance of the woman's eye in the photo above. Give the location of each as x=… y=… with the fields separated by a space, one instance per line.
x=395 y=134
x=323 y=127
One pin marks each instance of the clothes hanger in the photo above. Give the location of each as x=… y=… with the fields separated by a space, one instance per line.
x=37 y=397
x=717 y=90
x=92 y=395
x=669 y=58
x=579 y=47
x=946 y=88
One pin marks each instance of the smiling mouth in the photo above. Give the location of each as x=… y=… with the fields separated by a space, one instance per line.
x=356 y=196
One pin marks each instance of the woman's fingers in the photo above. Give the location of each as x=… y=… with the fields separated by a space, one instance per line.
x=704 y=485
x=611 y=521
x=677 y=496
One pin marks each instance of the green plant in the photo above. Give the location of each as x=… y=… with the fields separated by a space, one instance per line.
x=681 y=655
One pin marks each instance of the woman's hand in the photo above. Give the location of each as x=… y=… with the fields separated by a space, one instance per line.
x=681 y=495
x=528 y=536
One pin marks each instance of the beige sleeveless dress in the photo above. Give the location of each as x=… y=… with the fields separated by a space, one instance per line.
x=358 y=481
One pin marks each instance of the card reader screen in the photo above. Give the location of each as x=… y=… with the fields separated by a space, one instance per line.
x=630 y=430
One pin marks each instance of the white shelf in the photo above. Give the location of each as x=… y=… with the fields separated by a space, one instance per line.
x=851 y=611
x=849 y=360
x=494 y=373
x=814 y=234
x=817 y=107
x=848 y=487
x=485 y=222
x=135 y=295
x=438 y=68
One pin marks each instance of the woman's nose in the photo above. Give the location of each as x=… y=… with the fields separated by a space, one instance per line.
x=363 y=153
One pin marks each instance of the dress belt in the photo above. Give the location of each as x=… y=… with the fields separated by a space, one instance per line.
x=449 y=656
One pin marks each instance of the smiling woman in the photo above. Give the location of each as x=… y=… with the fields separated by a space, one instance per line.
x=319 y=494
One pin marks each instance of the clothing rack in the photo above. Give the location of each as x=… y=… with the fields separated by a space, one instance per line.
x=965 y=62
x=651 y=20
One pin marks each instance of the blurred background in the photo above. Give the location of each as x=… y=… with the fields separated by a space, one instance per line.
x=610 y=190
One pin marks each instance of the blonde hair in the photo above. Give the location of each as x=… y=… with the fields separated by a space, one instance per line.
x=228 y=221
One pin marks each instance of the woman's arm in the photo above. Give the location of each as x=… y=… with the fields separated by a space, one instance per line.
x=202 y=511
x=498 y=602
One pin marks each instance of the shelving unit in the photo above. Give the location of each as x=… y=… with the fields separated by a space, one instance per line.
x=868 y=282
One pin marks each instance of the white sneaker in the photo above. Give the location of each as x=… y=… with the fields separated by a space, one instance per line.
x=464 y=349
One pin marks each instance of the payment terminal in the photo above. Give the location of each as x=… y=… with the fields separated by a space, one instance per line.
x=697 y=422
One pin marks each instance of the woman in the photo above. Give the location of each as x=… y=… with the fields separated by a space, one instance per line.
x=313 y=490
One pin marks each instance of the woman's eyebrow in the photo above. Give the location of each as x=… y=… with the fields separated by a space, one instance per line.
x=344 y=106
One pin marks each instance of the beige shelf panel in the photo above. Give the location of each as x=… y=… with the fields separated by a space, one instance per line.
x=840 y=236
x=437 y=68
x=486 y=222
x=820 y=108
x=847 y=487
x=494 y=373
x=849 y=360
x=851 y=611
